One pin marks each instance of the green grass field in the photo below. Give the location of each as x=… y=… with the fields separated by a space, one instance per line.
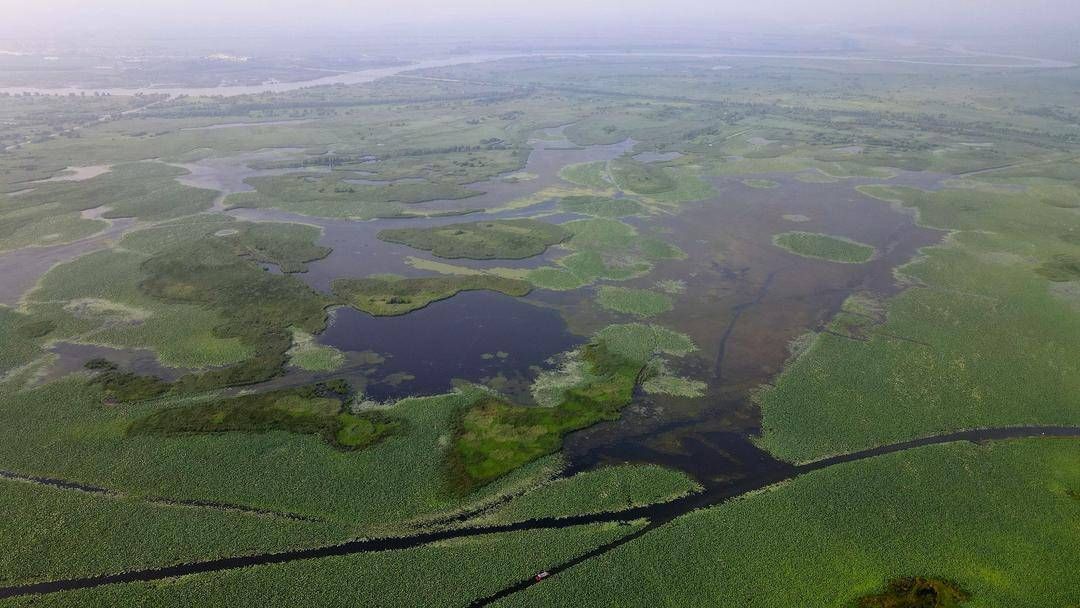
x=761 y=184
x=383 y=488
x=599 y=206
x=980 y=340
x=307 y=355
x=447 y=574
x=838 y=535
x=591 y=175
x=608 y=489
x=52 y=533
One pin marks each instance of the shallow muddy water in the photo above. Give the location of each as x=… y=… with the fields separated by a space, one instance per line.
x=746 y=300
x=20 y=269
x=356 y=250
x=545 y=160
x=228 y=174
x=77 y=174
x=72 y=357
x=347 y=78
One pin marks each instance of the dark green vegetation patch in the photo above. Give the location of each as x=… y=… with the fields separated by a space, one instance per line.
x=917 y=592
x=388 y=296
x=258 y=307
x=308 y=410
x=495 y=437
x=332 y=196
x=288 y=246
x=825 y=247
x=639 y=177
x=1061 y=268
x=36 y=329
x=497 y=239
x=122 y=386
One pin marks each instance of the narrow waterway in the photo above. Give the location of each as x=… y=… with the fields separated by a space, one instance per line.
x=657 y=514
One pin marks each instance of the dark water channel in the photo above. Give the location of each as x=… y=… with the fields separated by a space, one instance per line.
x=658 y=514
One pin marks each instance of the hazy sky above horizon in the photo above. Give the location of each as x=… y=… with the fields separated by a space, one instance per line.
x=73 y=14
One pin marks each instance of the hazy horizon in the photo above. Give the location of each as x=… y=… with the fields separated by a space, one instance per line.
x=55 y=16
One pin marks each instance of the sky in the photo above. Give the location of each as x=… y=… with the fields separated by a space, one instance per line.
x=55 y=15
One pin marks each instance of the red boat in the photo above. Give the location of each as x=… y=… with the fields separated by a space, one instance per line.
x=541 y=576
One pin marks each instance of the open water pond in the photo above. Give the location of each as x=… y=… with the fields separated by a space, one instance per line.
x=477 y=336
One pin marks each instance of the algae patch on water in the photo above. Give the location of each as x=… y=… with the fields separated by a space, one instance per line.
x=639 y=302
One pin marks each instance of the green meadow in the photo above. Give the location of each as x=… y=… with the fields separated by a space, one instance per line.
x=978 y=340
x=836 y=536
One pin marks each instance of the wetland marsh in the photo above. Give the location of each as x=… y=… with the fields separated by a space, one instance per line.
x=594 y=315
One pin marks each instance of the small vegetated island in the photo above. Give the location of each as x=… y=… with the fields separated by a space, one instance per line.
x=825 y=247
x=640 y=302
x=497 y=239
x=384 y=296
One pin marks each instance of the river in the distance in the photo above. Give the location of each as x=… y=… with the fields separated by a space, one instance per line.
x=369 y=75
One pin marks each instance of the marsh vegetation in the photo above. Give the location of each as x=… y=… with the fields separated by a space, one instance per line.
x=274 y=321
x=391 y=295
x=499 y=239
